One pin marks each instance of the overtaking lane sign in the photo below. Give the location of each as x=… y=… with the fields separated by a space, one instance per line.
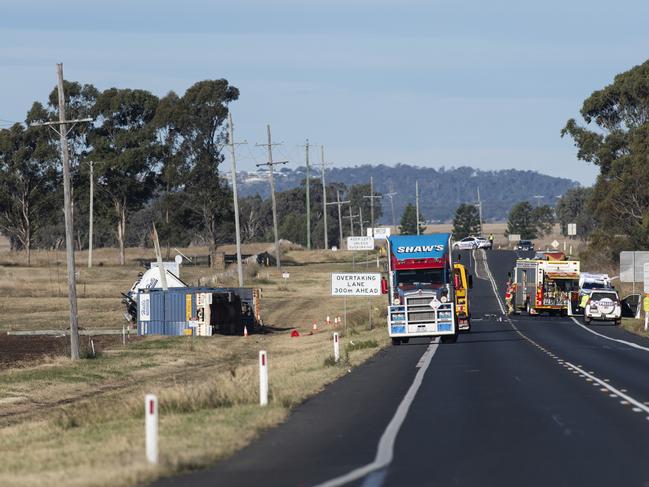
x=356 y=284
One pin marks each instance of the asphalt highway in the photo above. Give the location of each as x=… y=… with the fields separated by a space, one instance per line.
x=524 y=400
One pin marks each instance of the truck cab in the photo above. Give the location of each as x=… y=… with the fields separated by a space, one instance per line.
x=421 y=288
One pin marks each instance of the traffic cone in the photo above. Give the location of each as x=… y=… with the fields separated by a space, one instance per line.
x=315 y=326
x=245 y=331
x=295 y=333
x=328 y=320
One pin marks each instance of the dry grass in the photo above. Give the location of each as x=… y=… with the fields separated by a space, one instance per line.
x=81 y=423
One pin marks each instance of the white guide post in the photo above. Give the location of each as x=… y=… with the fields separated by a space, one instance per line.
x=263 y=378
x=336 y=348
x=151 y=427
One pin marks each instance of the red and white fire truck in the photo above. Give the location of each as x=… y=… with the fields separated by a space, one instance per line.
x=544 y=286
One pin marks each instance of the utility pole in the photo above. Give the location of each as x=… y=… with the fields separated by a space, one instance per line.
x=340 y=215
x=417 y=202
x=92 y=193
x=391 y=195
x=360 y=215
x=67 y=209
x=480 y=211
x=308 y=198
x=351 y=219
x=323 y=165
x=235 y=196
x=372 y=197
x=270 y=165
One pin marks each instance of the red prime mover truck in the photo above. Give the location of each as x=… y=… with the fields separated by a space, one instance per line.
x=422 y=289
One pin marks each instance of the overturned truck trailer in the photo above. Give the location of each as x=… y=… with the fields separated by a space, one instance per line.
x=198 y=311
x=184 y=310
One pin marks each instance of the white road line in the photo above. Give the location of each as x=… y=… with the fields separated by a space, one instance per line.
x=630 y=344
x=612 y=389
x=493 y=282
x=385 y=450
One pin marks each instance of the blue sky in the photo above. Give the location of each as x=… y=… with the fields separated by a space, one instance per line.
x=431 y=83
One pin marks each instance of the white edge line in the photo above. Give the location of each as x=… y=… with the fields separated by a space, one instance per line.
x=630 y=344
x=385 y=450
x=610 y=387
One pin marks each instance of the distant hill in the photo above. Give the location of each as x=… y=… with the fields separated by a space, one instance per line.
x=441 y=190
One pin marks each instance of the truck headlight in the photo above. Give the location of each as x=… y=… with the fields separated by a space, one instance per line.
x=396 y=301
x=444 y=298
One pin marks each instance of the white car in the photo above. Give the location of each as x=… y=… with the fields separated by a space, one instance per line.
x=603 y=305
x=484 y=243
x=467 y=243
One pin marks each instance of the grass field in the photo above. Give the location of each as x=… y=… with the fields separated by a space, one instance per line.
x=81 y=423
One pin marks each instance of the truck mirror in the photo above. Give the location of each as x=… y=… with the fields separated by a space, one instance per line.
x=456 y=281
x=470 y=281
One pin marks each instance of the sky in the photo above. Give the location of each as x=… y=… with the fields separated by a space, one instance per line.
x=488 y=84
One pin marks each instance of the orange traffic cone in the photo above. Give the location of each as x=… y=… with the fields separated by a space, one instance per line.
x=245 y=331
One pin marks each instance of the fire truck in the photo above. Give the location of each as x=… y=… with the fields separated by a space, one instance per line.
x=544 y=286
x=427 y=293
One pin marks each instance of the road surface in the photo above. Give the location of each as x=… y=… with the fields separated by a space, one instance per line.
x=529 y=401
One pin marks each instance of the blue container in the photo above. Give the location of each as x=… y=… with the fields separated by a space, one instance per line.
x=168 y=312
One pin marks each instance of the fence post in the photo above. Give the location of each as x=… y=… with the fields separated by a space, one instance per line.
x=336 y=348
x=263 y=378
x=151 y=427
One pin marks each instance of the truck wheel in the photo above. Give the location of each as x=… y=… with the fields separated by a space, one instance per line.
x=396 y=341
x=449 y=338
x=587 y=320
x=528 y=308
x=618 y=322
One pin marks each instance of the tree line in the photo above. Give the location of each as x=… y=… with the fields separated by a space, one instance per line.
x=155 y=160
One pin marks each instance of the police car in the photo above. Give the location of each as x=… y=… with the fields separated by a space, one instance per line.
x=603 y=305
x=467 y=243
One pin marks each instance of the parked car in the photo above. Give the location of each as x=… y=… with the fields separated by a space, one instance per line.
x=467 y=243
x=603 y=305
x=484 y=243
x=525 y=245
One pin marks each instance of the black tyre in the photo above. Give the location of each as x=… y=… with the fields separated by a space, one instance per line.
x=396 y=341
x=617 y=322
x=449 y=338
x=587 y=320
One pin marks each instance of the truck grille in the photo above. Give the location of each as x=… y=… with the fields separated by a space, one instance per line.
x=419 y=316
x=418 y=301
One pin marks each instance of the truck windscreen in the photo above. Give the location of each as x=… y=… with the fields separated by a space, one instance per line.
x=421 y=277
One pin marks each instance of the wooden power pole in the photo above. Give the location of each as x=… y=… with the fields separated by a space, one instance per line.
x=91 y=211
x=308 y=197
x=323 y=165
x=235 y=196
x=67 y=210
x=372 y=197
x=269 y=145
x=340 y=215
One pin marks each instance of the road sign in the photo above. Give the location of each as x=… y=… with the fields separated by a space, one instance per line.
x=360 y=243
x=356 y=284
x=379 y=232
x=632 y=265
x=285 y=275
x=646 y=277
x=572 y=229
x=555 y=244
x=514 y=237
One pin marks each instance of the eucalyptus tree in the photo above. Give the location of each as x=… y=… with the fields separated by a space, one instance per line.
x=124 y=140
